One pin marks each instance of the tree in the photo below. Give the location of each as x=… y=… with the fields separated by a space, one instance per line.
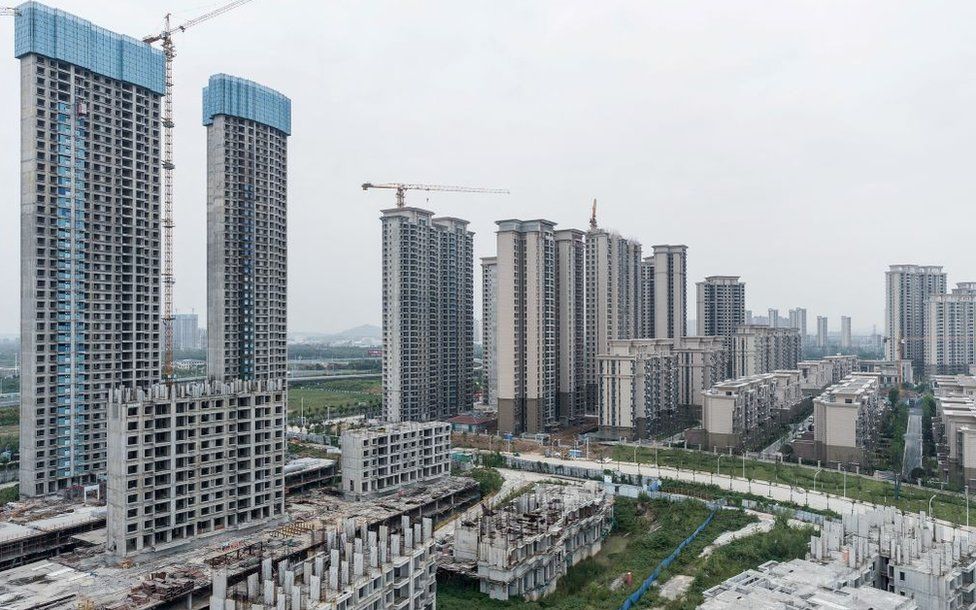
x=893 y=396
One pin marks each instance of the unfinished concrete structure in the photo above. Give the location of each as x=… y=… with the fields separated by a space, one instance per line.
x=737 y=410
x=357 y=568
x=192 y=459
x=90 y=237
x=540 y=310
x=846 y=420
x=756 y=349
x=247 y=246
x=523 y=548
x=612 y=297
x=382 y=459
x=428 y=315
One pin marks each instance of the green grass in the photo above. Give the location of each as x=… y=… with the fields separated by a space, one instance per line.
x=9 y=416
x=947 y=506
x=9 y=494
x=489 y=480
x=645 y=533
x=782 y=543
x=335 y=398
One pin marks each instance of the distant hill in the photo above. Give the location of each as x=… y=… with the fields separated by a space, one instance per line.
x=366 y=333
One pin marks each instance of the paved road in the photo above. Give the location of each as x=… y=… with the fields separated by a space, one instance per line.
x=913 y=443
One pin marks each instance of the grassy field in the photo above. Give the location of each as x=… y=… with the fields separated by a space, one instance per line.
x=645 y=533
x=334 y=397
x=9 y=428
x=951 y=507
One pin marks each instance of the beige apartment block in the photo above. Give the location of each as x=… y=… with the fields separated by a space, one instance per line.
x=757 y=349
x=815 y=375
x=841 y=365
x=907 y=288
x=540 y=310
x=613 y=276
x=950 y=340
x=956 y=426
x=638 y=388
x=846 y=419
x=382 y=459
x=721 y=305
x=670 y=291
x=192 y=459
x=489 y=331
x=890 y=372
x=736 y=409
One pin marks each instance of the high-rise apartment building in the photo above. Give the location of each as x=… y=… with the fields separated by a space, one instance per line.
x=428 y=313
x=845 y=332
x=759 y=349
x=721 y=305
x=822 y=332
x=186 y=331
x=646 y=301
x=90 y=237
x=613 y=276
x=773 y=315
x=798 y=320
x=907 y=287
x=217 y=449
x=950 y=342
x=540 y=309
x=489 y=330
x=670 y=291
x=247 y=258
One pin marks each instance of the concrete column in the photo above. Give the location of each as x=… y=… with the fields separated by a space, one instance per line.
x=266 y=570
x=344 y=572
x=373 y=557
x=314 y=590
x=219 y=589
x=334 y=576
x=253 y=587
x=289 y=582
x=319 y=565
x=428 y=528
x=269 y=593
x=358 y=565
x=407 y=539
x=395 y=545
x=296 y=597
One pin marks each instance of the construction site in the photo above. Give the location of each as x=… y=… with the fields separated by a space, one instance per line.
x=56 y=548
x=523 y=548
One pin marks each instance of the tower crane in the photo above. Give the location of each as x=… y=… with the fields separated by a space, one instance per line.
x=165 y=37
x=402 y=188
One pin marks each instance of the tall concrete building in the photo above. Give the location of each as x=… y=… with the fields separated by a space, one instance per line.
x=721 y=305
x=773 y=315
x=489 y=330
x=90 y=237
x=798 y=320
x=670 y=292
x=907 y=287
x=845 y=332
x=186 y=331
x=540 y=310
x=950 y=342
x=428 y=315
x=821 y=331
x=247 y=252
x=759 y=349
x=613 y=277
x=646 y=302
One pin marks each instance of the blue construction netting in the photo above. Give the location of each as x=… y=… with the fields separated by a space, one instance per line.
x=631 y=601
x=234 y=96
x=59 y=35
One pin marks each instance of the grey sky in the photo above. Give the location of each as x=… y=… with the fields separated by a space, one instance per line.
x=802 y=145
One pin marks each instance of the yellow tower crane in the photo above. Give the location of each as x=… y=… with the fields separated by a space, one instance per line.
x=165 y=37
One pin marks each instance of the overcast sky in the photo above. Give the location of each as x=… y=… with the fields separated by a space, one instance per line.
x=804 y=146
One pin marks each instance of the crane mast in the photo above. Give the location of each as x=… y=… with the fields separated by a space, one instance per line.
x=165 y=37
x=401 y=189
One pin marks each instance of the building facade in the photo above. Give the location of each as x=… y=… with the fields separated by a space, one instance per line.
x=186 y=460
x=613 y=276
x=721 y=305
x=798 y=320
x=950 y=342
x=382 y=459
x=822 y=332
x=247 y=216
x=845 y=332
x=186 y=331
x=646 y=301
x=489 y=331
x=907 y=287
x=772 y=314
x=670 y=291
x=759 y=349
x=428 y=315
x=90 y=237
x=540 y=305
x=846 y=419
x=638 y=388
x=736 y=410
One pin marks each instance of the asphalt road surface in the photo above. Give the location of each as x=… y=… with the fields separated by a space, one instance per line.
x=913 y=443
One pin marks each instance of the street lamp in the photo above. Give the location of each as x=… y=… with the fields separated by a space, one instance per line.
x=967 y=505
x=815 y=478
x=930 y=507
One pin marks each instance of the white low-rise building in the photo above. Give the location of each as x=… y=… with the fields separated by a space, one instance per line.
x=738 y=409
x=846 y=419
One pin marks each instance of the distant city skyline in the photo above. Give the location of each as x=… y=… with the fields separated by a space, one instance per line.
x=673 y=113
